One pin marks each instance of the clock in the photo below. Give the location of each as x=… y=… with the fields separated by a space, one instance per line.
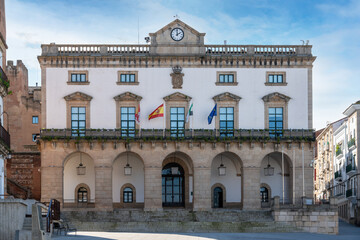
x=177 y=34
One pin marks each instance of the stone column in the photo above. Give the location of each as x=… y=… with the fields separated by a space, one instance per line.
x=103 y=187
x=152 y=189
x=251 y=178
x=202 y=189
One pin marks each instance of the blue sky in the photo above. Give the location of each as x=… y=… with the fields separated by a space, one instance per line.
x=332 y=27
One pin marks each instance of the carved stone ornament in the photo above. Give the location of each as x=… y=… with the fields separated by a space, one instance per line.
x=177 y=77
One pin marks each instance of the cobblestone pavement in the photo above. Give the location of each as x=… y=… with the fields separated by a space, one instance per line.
x=346 y=232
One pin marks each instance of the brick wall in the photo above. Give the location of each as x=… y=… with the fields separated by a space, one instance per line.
x=24 y=169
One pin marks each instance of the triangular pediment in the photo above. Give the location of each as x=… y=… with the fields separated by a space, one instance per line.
x=163 y=36
x=276 y=97
x=78 y=96
x=177 y=97
x=226 y=97
x=127 y=96
x=177 y=23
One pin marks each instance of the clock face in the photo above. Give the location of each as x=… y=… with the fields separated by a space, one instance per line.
x=177 y=34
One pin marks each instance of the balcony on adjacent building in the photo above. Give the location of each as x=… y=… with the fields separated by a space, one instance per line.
x=4 y=83
x=350 y=169
x=209 y=135
x=4 y=137
x=349 y=193
x=338 y=176
x=338 y=152
x=351 y=144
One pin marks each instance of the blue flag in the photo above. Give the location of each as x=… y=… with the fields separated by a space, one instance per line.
x=212 y=114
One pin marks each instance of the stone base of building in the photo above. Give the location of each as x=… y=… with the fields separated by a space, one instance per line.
x=216 y=220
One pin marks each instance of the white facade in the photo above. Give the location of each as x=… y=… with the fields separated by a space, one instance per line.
x=155 y=83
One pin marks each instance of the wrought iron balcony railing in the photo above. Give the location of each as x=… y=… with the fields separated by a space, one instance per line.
x=338 y=175
x=187 y=134
x=5 y=136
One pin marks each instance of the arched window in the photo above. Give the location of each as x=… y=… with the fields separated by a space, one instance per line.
x=264 y=193
x=128 y=195
x=82 y=194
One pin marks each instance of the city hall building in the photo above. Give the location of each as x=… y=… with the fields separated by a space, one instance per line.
x=230 y=125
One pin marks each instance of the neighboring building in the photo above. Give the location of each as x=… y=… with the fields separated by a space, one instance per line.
x=24 y=110
x=346 y=165
x=4 y=85
x=95 y=154
x=324 y=162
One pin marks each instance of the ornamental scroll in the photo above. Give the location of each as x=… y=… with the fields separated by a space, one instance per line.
x=177 y=77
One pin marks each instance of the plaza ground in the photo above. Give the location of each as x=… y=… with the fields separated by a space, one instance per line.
x=346 y=232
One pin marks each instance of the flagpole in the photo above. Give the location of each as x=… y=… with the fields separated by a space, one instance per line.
x=164 y=121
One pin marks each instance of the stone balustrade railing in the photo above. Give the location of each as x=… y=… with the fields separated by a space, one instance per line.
x=145 y=50
x=262 y=135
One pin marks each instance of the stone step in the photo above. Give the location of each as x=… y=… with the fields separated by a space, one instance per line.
x=184 y=226
x=168 y=216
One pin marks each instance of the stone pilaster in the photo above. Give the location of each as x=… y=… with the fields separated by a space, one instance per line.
x=153 y=194
x=52 y=185
x=202 y=188
x=103 y=188
x=251 y=178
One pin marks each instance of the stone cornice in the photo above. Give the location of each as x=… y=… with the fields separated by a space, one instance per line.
x=177 y=97
x=194 y=61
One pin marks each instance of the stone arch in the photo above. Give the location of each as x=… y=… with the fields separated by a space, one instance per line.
x=232 y=181
x=187 y=164
x=274 y=182
x=212 y=194
x=71 y=180
x=136 y=179
x=181 y=158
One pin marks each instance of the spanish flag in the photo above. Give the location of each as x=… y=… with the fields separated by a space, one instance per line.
x=159 y=112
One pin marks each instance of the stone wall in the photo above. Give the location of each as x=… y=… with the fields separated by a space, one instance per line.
x=24 y=169
x=21 y=106
x=315 y=219
x=12 y=214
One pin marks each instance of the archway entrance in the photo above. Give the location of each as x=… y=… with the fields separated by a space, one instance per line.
x=218 y=197
x=173 y=185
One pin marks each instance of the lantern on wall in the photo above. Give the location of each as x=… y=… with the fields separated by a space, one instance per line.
x=127 y=168
x=221 y=168
x=81 y=169
x=269 y=171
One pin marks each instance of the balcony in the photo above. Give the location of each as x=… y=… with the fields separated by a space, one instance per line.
x=338 y=176
x=211 y=135
x=350 y=169
x=349 y=193
x=351 y=144
x=4 y=137
x=4 y=83
x=338 y=152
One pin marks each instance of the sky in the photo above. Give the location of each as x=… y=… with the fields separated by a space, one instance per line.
x=331 y=26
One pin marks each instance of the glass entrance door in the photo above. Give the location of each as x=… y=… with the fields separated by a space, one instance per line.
x=173 y=183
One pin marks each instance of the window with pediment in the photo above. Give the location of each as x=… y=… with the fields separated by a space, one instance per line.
x=227 y=118
x=276 y=113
